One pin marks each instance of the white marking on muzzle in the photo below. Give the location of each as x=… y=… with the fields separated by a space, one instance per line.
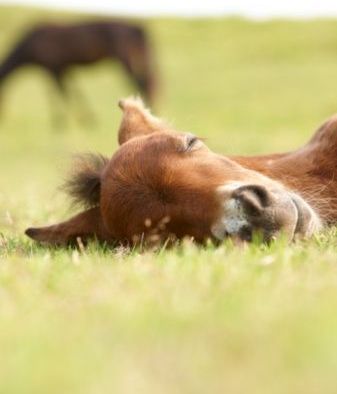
x=233 y=216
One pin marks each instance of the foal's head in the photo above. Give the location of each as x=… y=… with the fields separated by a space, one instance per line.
x=161 y=182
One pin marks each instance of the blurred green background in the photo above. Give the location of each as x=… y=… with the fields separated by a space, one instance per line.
x=258 y=320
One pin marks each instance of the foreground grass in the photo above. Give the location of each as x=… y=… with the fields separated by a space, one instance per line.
x=188 y=320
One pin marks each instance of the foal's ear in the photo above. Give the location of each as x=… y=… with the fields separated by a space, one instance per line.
x=326 y=133
x=85 y=225
x=137 y=120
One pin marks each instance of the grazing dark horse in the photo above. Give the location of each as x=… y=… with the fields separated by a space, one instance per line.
x=56 y=48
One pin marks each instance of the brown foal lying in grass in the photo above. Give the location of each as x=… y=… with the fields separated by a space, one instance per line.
x=163 y=184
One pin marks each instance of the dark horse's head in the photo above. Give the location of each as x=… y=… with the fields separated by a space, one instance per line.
x=137 y=59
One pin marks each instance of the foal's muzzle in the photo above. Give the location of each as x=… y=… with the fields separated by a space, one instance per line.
x=254 y=208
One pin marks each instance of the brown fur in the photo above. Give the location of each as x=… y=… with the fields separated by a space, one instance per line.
x=57 y=48
x=161 y=183
x=310 y=170
x=84 y=226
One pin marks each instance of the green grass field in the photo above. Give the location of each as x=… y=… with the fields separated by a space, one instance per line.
x=189 y=320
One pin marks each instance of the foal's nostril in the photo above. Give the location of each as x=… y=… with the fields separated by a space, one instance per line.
x=254 y=198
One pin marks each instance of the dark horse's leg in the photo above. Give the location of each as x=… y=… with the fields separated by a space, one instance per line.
x=58 y=113
x=85 y=116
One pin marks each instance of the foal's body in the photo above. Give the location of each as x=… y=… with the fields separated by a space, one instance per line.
x=162 y=183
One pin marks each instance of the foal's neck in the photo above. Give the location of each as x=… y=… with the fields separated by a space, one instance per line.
x=311 y=171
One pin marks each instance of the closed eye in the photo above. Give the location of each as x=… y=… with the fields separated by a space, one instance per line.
x=191 y=143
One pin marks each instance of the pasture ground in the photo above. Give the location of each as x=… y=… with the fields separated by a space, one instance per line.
x=188 y=320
